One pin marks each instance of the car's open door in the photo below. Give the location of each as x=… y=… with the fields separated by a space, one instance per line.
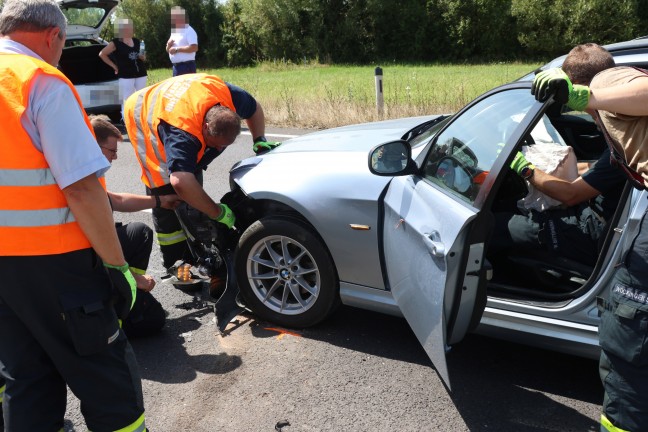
x=434 y=231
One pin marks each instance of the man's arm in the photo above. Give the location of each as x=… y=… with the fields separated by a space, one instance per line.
x=89 y=204
x=629 y=99
x=126 y=202
x=568 y=193
x=184 y=49
x=256 y=123
x=188 y=188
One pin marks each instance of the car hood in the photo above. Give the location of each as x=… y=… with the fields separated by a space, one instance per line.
x=82 y=30
x=354 y=138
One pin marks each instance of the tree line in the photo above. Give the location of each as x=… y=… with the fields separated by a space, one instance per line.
x=244 y=32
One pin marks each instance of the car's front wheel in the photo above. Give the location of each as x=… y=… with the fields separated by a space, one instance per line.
x=285 y=273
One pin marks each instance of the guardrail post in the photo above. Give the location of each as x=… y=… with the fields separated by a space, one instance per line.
x=380 y=101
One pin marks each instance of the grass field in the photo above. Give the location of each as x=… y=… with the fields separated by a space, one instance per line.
x=322 y=96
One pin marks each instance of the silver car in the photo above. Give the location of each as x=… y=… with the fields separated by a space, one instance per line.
x=93 y=79
x=396 y=217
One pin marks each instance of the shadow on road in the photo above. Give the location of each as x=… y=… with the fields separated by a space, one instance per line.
x=164 y=357
x=496 y=385
x=503 y=386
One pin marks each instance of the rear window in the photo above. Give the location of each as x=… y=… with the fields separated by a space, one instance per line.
x=89 y=16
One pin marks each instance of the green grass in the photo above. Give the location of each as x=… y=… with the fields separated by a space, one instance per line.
x=321 y=96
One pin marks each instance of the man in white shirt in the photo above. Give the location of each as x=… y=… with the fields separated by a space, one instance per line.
x=183 y=43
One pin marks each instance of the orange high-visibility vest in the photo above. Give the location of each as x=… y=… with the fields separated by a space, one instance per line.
x=181 y=101
x=34 y=215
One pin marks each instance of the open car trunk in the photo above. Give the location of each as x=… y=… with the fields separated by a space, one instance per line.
x=82 y=65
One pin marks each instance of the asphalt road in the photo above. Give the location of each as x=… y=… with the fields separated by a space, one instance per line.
x=357 y=371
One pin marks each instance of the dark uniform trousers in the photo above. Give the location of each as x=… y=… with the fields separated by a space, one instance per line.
x=147 y=316
x=623 y=335
x=173 y=244
x=58 y=326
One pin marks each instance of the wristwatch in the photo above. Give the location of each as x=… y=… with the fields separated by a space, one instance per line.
x=527 y=172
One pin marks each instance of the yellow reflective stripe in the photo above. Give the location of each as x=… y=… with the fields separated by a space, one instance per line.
x=2 y=389
x=171 y=238
x=137 y=426
x=607 y=424
x=137 y=271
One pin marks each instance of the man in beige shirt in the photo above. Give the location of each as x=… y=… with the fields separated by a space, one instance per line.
x=618 y=100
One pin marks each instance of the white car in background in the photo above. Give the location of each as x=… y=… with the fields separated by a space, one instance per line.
x=93 y=79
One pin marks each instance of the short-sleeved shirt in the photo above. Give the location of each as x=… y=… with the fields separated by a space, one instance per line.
x=127 y=59
x=183 y=37
x=55 y=124
x=182 y=147
x=630 y=132
x=609 y=181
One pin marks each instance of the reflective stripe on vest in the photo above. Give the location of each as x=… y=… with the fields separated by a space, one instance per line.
x=182 y=102
x=34 y=215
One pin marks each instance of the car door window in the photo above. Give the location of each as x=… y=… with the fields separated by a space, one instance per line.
x=464 y=153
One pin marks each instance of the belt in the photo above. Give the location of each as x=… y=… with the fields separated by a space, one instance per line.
x=184 y=62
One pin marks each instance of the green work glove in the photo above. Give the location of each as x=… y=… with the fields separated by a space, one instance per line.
x=226 y=216
x=555 y=81
x=124 y=283
x=261 y=145
x=519 y=163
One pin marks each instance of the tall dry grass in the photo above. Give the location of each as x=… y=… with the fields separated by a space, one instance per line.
x=323 y=96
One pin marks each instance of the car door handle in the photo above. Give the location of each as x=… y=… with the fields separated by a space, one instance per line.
x=434 y=244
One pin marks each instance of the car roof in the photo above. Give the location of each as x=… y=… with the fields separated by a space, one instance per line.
x=627 y=53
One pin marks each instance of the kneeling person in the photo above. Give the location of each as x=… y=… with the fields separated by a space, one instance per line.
x=147 y=315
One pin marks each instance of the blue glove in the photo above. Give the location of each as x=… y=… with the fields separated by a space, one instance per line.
x=124 y=284
x=261 y=145
x=226 y=216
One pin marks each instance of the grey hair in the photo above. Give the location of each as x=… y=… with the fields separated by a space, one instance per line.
x=31 y=16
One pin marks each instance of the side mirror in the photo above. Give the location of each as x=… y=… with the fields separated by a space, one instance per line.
x=392 y=159
x=453 y=175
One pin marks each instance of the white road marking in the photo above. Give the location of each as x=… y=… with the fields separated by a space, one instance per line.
x=272 y=135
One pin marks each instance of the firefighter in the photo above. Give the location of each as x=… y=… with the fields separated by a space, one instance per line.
x=617 y=98
x=177 y=127
x=147 y=316
x=60 y=259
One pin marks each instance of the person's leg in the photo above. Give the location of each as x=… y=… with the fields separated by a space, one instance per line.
x=136 y=240
x=126 y=88
x=146 y=318
x=140 y=83
x=31 y=378
x=147 y=315
x=184 y=68
x=76 y=329
x=171 y=237
x=623 y=335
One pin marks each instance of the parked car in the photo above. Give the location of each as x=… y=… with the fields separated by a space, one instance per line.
x=93 y=79
x=395 y=217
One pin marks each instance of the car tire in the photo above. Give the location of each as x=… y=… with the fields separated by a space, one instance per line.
x=296 y=292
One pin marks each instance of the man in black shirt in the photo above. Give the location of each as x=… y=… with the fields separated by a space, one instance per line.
x=572 y=232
